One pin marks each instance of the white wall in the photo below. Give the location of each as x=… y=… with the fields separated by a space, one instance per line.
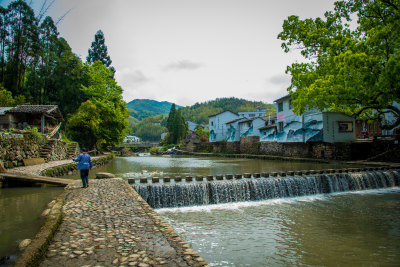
x=217 y=125
x=331 y=127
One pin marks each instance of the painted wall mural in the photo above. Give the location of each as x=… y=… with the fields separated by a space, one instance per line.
x=231 y=133
x=293 y=130
x=248 y=132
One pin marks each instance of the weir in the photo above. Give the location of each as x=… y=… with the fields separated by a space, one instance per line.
x=254 y=188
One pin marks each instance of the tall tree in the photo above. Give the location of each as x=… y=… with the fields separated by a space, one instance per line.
x=105 y=101
x=98 y=51
x=23 y=36
x=355 y=71
x=176 y=125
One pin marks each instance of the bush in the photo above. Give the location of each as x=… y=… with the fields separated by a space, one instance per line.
x=155 y=151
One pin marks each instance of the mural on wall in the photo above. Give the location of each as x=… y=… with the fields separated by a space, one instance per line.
x=248 y=132
x=231 y=133
x=212 y=135
x=293 y=130
x=268 y=135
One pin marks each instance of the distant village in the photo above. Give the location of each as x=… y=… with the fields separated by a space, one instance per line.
x=285 y=126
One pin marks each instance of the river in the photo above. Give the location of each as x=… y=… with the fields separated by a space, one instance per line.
x=170 y=166
x=343 y=229
x=20 y=215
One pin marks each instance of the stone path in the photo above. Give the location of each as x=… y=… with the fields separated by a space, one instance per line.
x=108 y=224
x=37 y=169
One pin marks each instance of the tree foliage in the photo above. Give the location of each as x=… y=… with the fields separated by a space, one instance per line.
x=349 y=69
x=176 y=126
x=105 y=101
x=98 y=51
x=38 y=67
x=200 y=112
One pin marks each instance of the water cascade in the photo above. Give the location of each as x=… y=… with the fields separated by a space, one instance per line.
x=162 y=195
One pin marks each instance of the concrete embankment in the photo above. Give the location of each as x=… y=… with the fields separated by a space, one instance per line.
x=109 y=224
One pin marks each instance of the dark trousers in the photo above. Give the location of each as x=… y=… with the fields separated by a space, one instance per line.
x=85 y=178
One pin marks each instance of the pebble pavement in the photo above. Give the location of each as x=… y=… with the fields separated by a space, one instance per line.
x=37 y=169
x=108 y=224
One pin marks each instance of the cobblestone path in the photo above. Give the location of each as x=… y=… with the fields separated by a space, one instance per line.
x=37 y=169
x=108 y=224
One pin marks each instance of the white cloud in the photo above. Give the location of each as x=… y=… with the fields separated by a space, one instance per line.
x=182 y=65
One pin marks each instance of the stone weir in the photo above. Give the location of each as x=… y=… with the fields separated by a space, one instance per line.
x=180 y=192
x=106 y=224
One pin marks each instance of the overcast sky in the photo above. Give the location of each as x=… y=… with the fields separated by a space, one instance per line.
x=188 y=51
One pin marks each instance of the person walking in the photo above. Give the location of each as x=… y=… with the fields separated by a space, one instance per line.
x=84 y=165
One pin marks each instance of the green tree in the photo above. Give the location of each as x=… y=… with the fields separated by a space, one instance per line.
x=176 y=125
x=105 y=101
x=84 y=125
x=352 y=70
x=7 y=100
x=22 y=43
x=98 y=51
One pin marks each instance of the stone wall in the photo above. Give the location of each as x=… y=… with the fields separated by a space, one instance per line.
x=250 y=145
x=71 y=167
x=298 y=150
x=15 y=148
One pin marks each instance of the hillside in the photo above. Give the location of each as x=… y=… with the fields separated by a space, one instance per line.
x=143 y=108
x=199 y=112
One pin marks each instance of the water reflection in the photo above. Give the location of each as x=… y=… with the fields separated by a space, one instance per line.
x=164 y=166
x=20 y=210
x=347 y=229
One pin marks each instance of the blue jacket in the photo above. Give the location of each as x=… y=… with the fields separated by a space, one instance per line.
x=84 y=161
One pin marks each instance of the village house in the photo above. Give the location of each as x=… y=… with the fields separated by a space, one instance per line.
x=330 y=127
x=250 y=127
x=234 y=129
x=260 y=112
x=217 y=125
x=232 y=126
x=47 y=118
x=268 y=131
x=132 y=139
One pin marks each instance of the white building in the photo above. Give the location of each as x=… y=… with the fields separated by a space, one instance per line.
x=312 y=125
x=217 y=125
x=132 y=139
x=249 y=127
x=192 y=126
x=260 y=112
x=234 y=130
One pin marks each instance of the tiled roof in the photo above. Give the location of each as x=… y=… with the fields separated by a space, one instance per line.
x=222 y=112
x=252 y=119
x=235 y=120
x=33 y=108
x=48 y=109
x=3 y=110
x=282 y=98
x=267 y=127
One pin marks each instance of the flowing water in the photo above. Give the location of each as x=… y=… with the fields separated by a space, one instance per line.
x=20 y=210
x=357 y=228
x=217 y=192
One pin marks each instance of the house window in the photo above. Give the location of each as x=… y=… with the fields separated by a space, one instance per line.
x=280 y=125
x=265 y=132
x=345 y=126
x=249 y=124
x=280 y=107
x=212 y=123
x=290 y=104
x=251 y=115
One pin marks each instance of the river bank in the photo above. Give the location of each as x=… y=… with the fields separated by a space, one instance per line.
x=107 y=224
